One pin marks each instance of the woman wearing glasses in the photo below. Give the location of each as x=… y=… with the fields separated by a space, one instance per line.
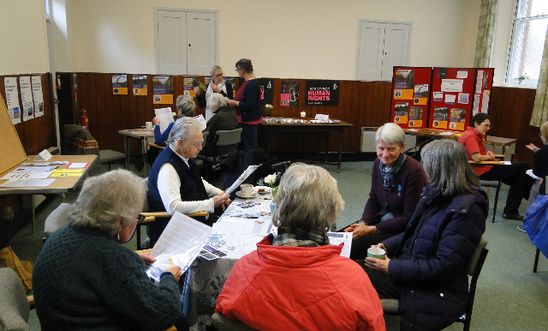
x=217 y=85
x=247 y=105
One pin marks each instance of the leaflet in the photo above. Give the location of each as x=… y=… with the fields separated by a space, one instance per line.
x=242 y=177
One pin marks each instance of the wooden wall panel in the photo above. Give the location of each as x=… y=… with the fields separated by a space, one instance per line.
x=37 y=133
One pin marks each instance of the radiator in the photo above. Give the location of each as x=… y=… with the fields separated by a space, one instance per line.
x=368 y=140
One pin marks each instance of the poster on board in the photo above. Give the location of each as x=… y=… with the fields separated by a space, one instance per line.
x=162 y=90
x=140 y=85
x=119 y=85
x=322 y=92
x=266 y=88
x=188 y=87
x=289 y=95
x=12 y=99
x=410 y=96
x=26 y=98
x=38 y=96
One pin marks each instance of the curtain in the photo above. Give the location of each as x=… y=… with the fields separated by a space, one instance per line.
x=486 y=27
x=540 y=107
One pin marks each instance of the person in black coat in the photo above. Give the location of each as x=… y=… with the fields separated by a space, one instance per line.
x=425 y=267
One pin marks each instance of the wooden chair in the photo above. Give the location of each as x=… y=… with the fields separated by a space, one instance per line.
x=391 y=306
x=15 y=304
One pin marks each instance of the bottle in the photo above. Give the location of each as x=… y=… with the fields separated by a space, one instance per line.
x=84 y=118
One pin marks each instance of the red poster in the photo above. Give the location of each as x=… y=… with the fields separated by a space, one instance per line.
x=451 y=98
x=410 y=96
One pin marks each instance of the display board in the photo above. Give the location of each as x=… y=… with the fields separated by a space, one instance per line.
x=482 y=90
x=410 y=96
x=451 y=98
x=11 y=148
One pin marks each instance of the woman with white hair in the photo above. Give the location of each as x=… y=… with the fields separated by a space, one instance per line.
x=296 y=278
x=426 y=265
x=174 y=182
x=396 y=183
x=85 y=279
x=217 y=85
x=186 y=107
x=224 y=117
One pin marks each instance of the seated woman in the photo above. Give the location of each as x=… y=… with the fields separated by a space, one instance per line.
x=223 y=118
x=426 y=265
x=85 y=279
x=540 y=169
x=296 y=280
x=174 y=182
x=513 y=175
x=186 y=107
x=396 y=183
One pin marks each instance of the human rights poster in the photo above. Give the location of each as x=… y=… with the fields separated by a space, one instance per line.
x=266 y=88
x=162 y=87
x=322 y=92
x=289 y=96
x=119 y=84
x=140 y=85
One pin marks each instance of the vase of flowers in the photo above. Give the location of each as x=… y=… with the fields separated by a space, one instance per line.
x=268 y=108
x=271 y=180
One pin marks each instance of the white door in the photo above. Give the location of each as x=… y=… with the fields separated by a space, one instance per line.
x=381 y=46
x=396 y=49
x=186 y=42
x=202 y=50
x=370 y=51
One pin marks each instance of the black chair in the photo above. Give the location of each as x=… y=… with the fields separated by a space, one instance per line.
x=223 y=144
x=391 y=306
x=496 y=185
x=226 y=324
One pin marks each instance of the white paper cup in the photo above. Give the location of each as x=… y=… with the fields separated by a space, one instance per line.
x=247 y=189
x=148 y=125
x=375 y=252
x=303 y=114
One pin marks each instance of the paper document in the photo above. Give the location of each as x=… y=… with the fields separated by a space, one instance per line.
x=27 y=175
x=27 y=182
x=530 y=173
x=200 y=118
x=242 y=177
x=234 y=245
x=180 y=243
x=335 y=238
x=78 y=165
x=240 y=225
x=166 y=116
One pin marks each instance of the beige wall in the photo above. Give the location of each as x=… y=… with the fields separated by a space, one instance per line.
x=285 y=38
x=23 y=41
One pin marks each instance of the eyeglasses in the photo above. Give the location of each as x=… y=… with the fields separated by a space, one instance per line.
x=219 y=74
x=238 y=69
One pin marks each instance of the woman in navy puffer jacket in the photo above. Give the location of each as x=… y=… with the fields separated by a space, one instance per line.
x=426 y=265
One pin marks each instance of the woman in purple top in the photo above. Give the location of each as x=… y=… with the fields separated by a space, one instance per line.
x=396 y=184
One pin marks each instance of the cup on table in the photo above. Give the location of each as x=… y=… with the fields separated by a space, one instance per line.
x=303 y=114
x=247 y=189
x=376 y=252
x=148 y=125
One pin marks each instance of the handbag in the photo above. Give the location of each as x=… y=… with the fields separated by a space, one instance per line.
x=536 y=223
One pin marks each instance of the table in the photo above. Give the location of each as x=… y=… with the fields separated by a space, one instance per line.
x=142 y=135
x=283 y=126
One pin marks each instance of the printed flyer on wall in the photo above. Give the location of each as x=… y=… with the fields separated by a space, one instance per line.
x=162 y=87
x=37 y=96
x=289 y=96
x=12 y=99
x=26 y=98
x=140 y=85
x=119 y=84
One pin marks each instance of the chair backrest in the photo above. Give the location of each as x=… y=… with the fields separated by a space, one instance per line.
x=14 y=307
x=226 y=141
x=475 y=259
x=226 y=324
x=474 y=269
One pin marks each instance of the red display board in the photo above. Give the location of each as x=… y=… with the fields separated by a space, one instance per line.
x=451 y=98
x=410 y=96
x=482 y=90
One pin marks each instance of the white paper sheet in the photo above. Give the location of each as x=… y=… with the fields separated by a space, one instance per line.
x=200 y=118
x=26 y=175
x=450 y=98
x=37 y=96
x=27 y=182
x=242 y=177
x=234 y=245
x=335 y=238
x=240 y=225
x=462 y=74
x=451 y=85
x=166 y=117
x=77 y=165
x=26 y=98
x=12 y=99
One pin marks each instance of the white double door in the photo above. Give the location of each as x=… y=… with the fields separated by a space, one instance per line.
x=186 y=41
x=381 y=47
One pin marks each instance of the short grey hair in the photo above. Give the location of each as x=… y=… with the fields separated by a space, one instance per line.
x=186 y=105
x=214 y=70
x=216 y=101
x=390 y=133
x=307 y=200
x=446 y=166
x=105 y=198
x=183 y=129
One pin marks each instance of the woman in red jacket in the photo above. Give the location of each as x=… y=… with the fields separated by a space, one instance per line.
x=296 y=280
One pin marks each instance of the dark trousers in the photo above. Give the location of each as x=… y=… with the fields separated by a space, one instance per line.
x=249 y=136
x=514 y=176
x=358 y=251
x=386 y=288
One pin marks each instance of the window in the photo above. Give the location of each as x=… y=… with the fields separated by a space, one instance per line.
x=527 y=44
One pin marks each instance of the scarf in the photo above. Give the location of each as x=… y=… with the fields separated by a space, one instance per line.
x=299 y=238
x=387 y=173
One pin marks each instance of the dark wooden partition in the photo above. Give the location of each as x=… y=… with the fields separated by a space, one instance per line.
x=360 y=103
x=37 y=133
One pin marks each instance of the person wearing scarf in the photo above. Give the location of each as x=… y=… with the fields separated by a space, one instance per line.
x=396 y=184
x=296 y=280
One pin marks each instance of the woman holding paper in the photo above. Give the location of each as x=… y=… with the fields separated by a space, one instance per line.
x=296 y=280
x=186 y=107
x=85 y=279
x=174 y=182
